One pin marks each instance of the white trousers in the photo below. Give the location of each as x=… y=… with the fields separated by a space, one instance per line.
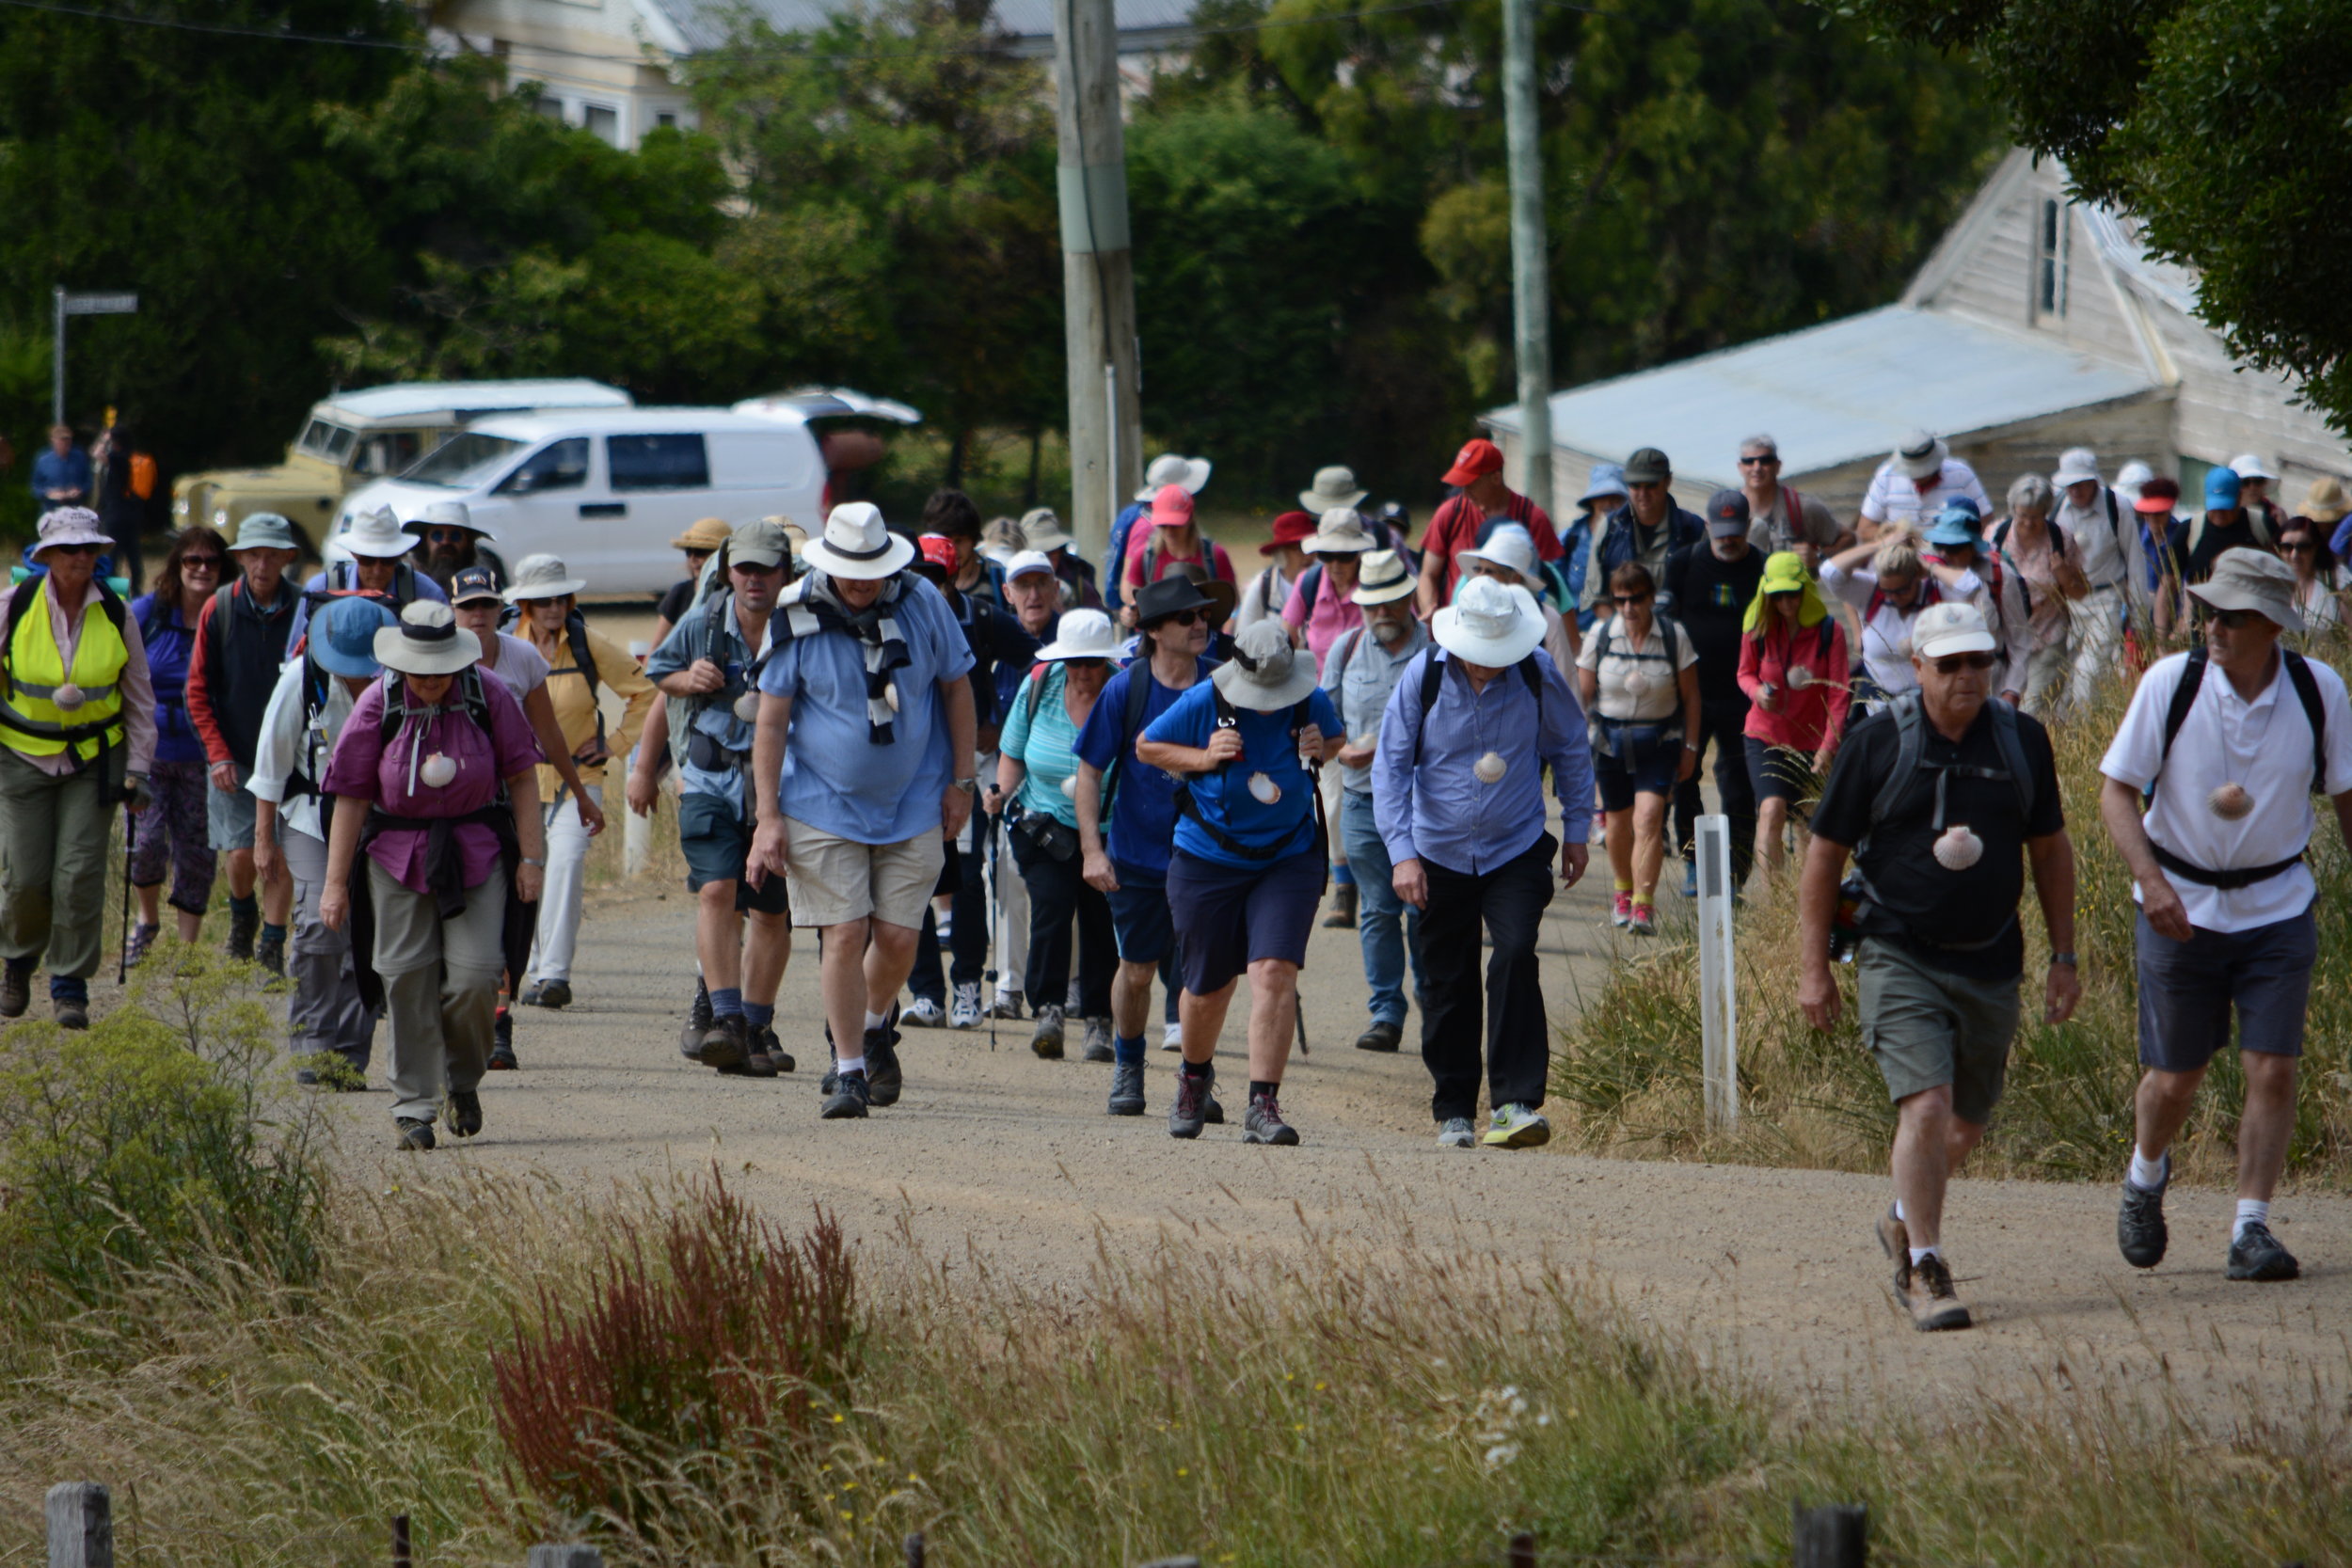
x=566 y=885
x=2095 y=632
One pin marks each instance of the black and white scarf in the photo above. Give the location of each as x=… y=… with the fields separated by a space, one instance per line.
x=811 y=606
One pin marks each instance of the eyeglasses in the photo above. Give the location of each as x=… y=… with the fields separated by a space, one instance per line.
x=1766 y=461
x=199 y=563
x=2239 y=620
x=1953 y=664
x=445 y=535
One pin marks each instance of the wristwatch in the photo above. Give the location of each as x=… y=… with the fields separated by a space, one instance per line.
x=2066 y=958
x=970 y=787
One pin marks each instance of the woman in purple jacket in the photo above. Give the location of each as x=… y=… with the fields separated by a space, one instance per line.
x=173 y=828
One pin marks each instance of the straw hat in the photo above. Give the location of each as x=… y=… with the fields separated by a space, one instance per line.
x=426 y=642
x=2325 y=500
x=708 y=534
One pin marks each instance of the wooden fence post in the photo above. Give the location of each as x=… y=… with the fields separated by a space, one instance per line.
x=1834 y=1536
x=1522 y=1552
x=81 y=1525
x=568 y=1554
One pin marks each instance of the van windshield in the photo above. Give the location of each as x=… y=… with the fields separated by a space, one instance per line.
x=464 y=463
x=324 y=439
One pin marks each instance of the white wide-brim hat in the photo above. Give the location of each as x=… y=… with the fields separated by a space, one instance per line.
x=1265 y=673
x=1382 y=577
x=68 y=526
x=1082 y=633
x=378 y=535
x=1922 y=455
x=1168 y=469
x=1490 y=623
x=1511 y=548
x=1339 y=531
x=858 y=545
x=2075 y=466
x=542 y=577
x=2247 y=465
x=1334 y=487
x=454 y=515
x=427 y=642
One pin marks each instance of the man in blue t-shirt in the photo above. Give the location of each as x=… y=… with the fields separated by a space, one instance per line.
x=1129 y=864
x=1248 y=869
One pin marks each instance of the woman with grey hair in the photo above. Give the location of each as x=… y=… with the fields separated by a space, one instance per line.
x=2036 y=558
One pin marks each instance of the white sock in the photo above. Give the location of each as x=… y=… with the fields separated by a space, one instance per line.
x=850 y=1064
x=1921 y=1254
x=2146 y=1174
x=875 y=1020
x=1899 y=1211
x=2250 y=1210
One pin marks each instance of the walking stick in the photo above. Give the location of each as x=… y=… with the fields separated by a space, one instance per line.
x=130 y=840
x=995 y=921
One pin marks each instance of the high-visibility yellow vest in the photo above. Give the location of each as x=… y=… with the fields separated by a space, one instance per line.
x=31 y=720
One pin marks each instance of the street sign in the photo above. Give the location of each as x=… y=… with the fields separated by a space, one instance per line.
x=79 y=305
x=102 y=304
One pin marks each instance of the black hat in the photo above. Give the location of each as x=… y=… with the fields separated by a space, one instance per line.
x=1172 y=596
x=473 y=583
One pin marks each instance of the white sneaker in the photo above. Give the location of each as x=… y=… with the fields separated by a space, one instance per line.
x=1172 y=1038
x=965 y=1011
x=1457 y=1133
x=923 y=1013
x=1516 y=1126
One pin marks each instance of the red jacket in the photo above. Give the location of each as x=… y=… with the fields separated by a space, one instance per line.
x=1805 y=719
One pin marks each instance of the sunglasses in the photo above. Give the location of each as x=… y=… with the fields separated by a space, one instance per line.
x=445 y=535
x=77 y=549
x=695 y=558
x=1630 y=598
x=199 y=563
x=1182 y=618
x=1765 y=462
x=2239 y=620
x=1953 y=664
x=2298 y=547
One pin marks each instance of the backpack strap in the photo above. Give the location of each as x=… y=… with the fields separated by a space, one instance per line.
x=1311 y=586
x=1034 y=682
x=2307 y=690
x=1130 y=727
x=2176 y=712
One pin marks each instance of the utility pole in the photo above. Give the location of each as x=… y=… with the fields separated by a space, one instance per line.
x=56 y=385
x=1098 y=273
x=1531 y=264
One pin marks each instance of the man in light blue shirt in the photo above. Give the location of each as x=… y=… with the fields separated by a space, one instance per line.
x=865 y=680
x=1359 y=672
x=1457 y=792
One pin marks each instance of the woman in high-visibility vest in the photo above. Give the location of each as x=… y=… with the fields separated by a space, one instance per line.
x=77 y=734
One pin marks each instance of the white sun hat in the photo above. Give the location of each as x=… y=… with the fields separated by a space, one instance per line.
x=426 y=642
x=454 y=515
x=1082 y=633
x=1489 y=623
x=1334 y=487
x=1948 y=628
x=1509 y=547
x=858 y=545
x=1265 y=673
x=1383 y=577
x=2076 y=465
x=1168 y=469
x=1339 y=531
x=2247 y=465
x=378 y=535
x=1922 y=454
x=542 y=577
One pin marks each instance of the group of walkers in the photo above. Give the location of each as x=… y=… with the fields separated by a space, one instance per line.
x=970 y=748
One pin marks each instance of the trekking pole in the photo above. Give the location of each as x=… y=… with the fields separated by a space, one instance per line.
x=995 y=921
x=130 y=842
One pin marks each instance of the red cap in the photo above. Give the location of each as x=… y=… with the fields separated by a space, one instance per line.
x=1171 y=507
x=2157 y=495
x=1289 y=529
x=938 y=550
x=1475 y=461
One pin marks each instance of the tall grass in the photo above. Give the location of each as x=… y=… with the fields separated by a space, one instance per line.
x=1627 y=1076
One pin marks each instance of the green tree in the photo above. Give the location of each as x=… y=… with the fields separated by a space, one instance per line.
x=2219 y=124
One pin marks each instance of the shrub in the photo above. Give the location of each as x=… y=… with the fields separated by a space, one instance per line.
x=673 y=1378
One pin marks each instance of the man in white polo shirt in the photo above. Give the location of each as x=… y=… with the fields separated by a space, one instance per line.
x=2230 y=741
x=2103 y=533
x=1911 y=486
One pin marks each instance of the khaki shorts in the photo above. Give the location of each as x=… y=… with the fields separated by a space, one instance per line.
x=835 y=881
x=1928 y=1028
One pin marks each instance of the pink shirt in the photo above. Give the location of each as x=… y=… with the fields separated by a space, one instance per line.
x=364 y=767
x=1140 y=541
x=1805 y=718
x=1334 y=613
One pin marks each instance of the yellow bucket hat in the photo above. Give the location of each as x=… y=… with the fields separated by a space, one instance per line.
x=1784 y=573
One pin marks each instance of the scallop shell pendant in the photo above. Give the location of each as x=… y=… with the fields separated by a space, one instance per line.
x=747 y=708
x=1958 y=848
x=1070 y=787
x=438 y=770
x=69 y=695
x=1265 y=789
x=1636 y=683
x=1491 y=768
x=890 y=695
x=1799 y=678
x=2229 y=803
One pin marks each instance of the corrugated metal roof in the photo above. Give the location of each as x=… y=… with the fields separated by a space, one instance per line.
x=1832 y=394
x=707 y=23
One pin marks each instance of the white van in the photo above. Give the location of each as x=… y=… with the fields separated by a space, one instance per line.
x=608 y=490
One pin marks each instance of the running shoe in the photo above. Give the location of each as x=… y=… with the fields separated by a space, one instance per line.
x=2139 y=1228
x=1099 y=1040
x=1126 y=1089
x=1046 y=1042
x=1926 y=1291
x=924 y=1013
x=965 y=1012
x=413 y=1135
x=848 y=1097
x=1516 y=1126
x=1457 y=1133
x=1644 y=921
x=1190 y=1112
x=1262 y=1123
x=2257 y=1254
x=1621 y=913
x=1172 y=1038
x=464 y=1112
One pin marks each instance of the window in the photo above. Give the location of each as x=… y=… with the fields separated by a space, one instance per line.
x=388 y=451
x=323 y=439
x=2050 y=260
x=560 y=466
x=658 y=462
x=548 y=105
x=665 y=120
x=465 y=462
x=603 y=123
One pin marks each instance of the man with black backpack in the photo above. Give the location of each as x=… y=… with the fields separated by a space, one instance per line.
x=1941 y=796
x=2215 y=747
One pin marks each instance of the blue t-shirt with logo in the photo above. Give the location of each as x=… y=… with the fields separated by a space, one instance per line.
x=1268 y=746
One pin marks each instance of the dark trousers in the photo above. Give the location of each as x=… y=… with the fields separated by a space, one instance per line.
x=963 y=877
x=1723 y=721
x=1060 y=899
x=1508 y=902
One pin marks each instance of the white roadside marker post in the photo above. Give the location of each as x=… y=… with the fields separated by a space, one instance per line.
x=1719 y=1023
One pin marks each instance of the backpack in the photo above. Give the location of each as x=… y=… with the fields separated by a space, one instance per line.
x=1433 y=676
x=1208 y=562
x=2185 y=698
x=1998 y=541
x=1226 y=720
x=142 y=484
x=1130 y=728
x=469 y=686
x=584 y=660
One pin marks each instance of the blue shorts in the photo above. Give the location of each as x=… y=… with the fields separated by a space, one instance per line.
x=1139 y=915
x=2187 y=991
x=1646 y=759
x=1228 y=917
x=228 y=813
x=717 y=844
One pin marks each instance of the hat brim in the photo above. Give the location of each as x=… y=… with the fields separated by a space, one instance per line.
x=2222 y=596
x=1459 y=475
x=1195 y=477
x=1323 y=544
x=1387 y=594
x=1495 y=653
x=2327 y=514
x=1219 y=597
x=1058 y=651
x=1048 y=543
x=1318 y=504
x=1726 y=531
x=336 y=663
x=69 y=541
x=243 y=545
x=1928 y=467
x=523 y=591
x=825 y=559
x=2067 y=481
x=1959 y=642
x=396 y=651
x=2155 y=506
x=1242 y=692
x=1462 y=560
x=377 y=549
x=1600 y=494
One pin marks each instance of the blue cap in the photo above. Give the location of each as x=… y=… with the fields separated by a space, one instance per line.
x=2221 y=489
x=1959 y=523
x=1608 y=480
x=342 y=635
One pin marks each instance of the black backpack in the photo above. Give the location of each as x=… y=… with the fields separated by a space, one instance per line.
x=1226 y=720
x=2185 y=698
x=1433 y=677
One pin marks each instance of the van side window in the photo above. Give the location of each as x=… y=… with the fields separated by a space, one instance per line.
x=658 y=462
x=562 y=465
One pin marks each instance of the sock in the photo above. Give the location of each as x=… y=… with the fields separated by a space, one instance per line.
x=1920 y=1254
x=875 y=1020
x=2250 y=1210
x=244 y=906
x=726 y=1001
x=69 y=988
x=1623 y=885
x=1342 y=875
x=1198 y=1069
x=846 y=1065
x=2145 y=1174
x=1260 y=1087
x=273 y=933
x=1899 y=1211
x=1125 y=1051
x=759 y=1015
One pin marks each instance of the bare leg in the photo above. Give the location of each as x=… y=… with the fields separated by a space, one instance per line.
x=1922 y=1160
x=151 y=905
x=1204 y=1019
x=719 y=936
x=191 y=926
x=1772 y=819
x=2162 y=1105
x=841 y=971
x=1649 y=843
x=889 y=959
x=238 y=864
x=1273 y=1014
x=1131 y=998
x=1620 y=831
x=278 y=900
x=2267 y=1123
x=767 y=948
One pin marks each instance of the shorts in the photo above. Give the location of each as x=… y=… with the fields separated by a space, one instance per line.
x=1648 y=757
x=835 y=881
x=1141 y=918
x=1929 y=1028
x=2187 y=989
x=1782 y=773
x=1228 y=917
x=717 y=843
x=228 y=813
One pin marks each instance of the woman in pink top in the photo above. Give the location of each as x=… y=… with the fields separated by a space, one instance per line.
x=1793 y=665
x=434 y=780
x=1172 y=542
x=1323 y=604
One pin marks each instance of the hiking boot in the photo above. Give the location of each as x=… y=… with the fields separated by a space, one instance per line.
x=725 y=1043
x=1126 y=1089
x=464 y=1112
x=142 y=938
x=72 y=1011
x=964 y=1013
x=16 y=991
x=1099 y=1040
x=2257 y=1254
x=1516 y=1126
x=884 y=1076
x=2139 y=1228
x=1172 y=1038
x=1046 y=1042
x=270 y=951
x=699 y=1016
x=244 y=926
x=502 y=1043
x=1457 y=1133
x=1644 y=919
x=1212 y=1110
x=1894 y=1237
x=764 y=1043
x=1262 y=1123
x=1621 y=910
x=415 y=1136
x=1342 y=916
x=924 y=1013
x=1190 y=1112
x=1383 y=1037
x=549 y=993
x=1007 y=1005
x=755 y=1063
x=848 y=1097
x=1926 y=1291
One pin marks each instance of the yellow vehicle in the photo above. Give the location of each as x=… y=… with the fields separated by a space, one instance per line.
x=354 y=439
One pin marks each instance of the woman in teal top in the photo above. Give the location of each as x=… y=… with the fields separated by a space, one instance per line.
x=1037 y=768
